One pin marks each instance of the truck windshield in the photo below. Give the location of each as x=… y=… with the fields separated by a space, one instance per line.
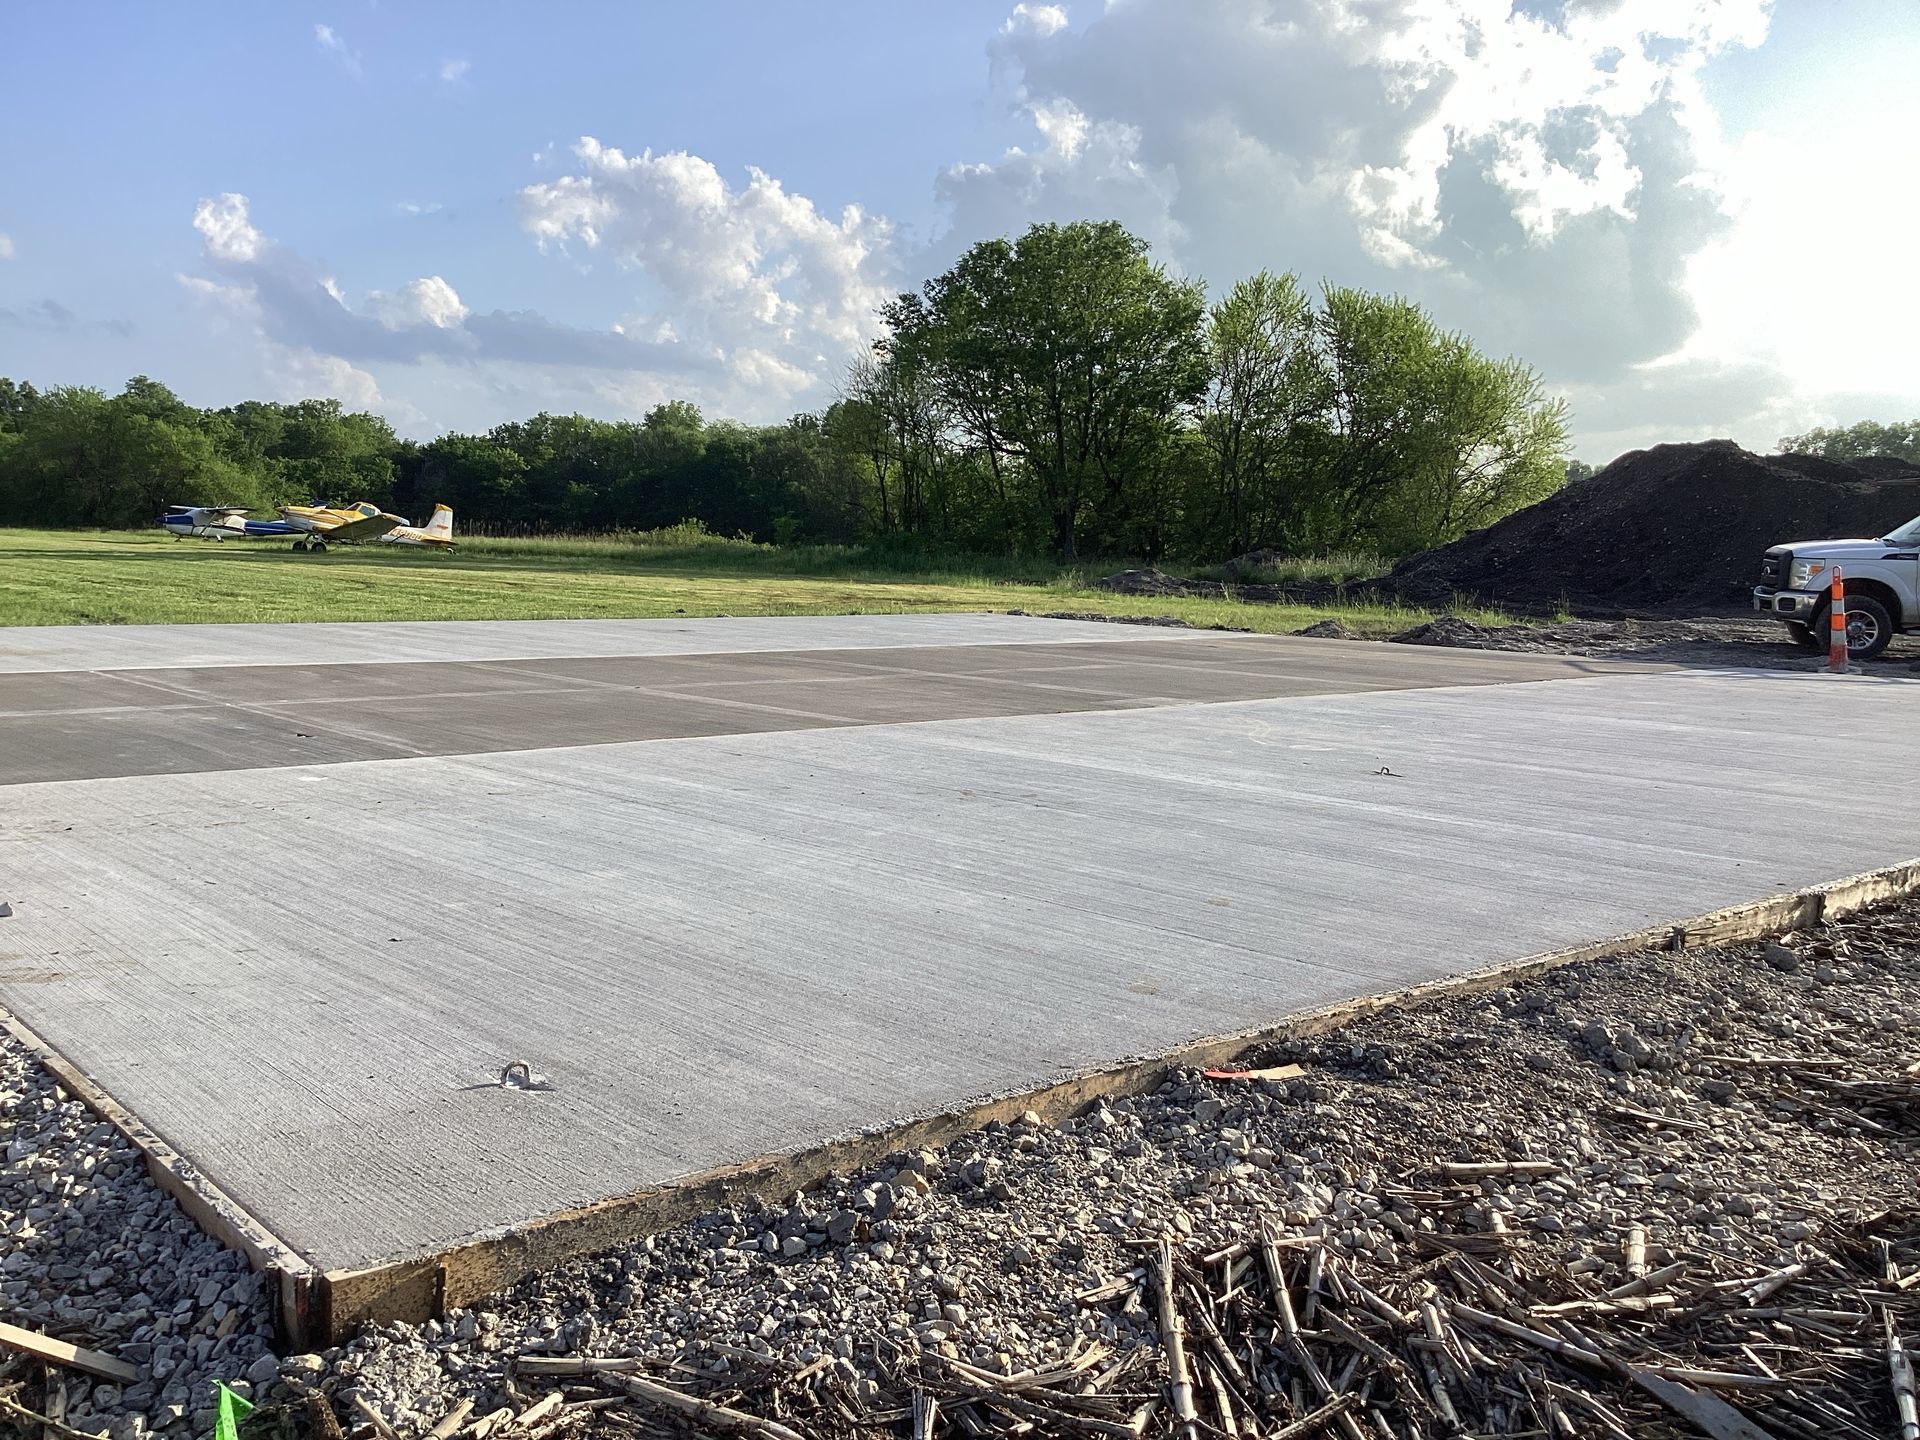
x=1907 y=534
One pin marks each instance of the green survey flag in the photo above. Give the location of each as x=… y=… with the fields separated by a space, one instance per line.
x=226 y=1423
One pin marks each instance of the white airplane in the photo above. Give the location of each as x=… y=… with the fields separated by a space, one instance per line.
x=220 y=522
x=437 y=532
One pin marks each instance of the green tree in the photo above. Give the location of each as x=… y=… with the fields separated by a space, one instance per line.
x=1431 y=439
x=327 y=453
x=1067 y=352
x=1269 y=386
x=81 y=458
x=480 y=478
x=1867 y=438
x=15 y=402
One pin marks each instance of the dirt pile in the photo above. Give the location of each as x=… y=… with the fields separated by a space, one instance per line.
x=1329 y=630
x=1677 y=527
x=1149 y=581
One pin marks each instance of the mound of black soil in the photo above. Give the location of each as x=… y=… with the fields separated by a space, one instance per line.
x=1150 y=581
x=1677 y=527
x=1328 y=630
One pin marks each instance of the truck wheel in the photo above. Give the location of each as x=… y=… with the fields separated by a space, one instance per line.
x=1802 y=636
x=1869 y=627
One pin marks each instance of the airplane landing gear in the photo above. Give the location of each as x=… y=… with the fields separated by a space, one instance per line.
x=300 y=545
x=319 y=546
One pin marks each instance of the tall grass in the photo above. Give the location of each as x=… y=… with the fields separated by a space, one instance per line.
x=690 y=548
x=1336 y=567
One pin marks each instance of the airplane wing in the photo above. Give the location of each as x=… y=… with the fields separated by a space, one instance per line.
x=372 y=527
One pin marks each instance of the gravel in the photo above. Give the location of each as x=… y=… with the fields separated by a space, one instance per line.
x=1718 y=643
x=91 y=1250
x=978 y=1252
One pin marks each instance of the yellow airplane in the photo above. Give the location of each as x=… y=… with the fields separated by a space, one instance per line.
x=317 y=524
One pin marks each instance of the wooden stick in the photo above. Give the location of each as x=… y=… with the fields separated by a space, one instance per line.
x=74 y=1357
x=580 y=1364
x=1779 y=1279
x=1707 y=1413
x=1033 y=1409
x=718 y=1417
x=1609 y=1421
x=1627 y=1305
x=1766 y=1061
x=451 y=1421
x=1715 y=1379
x=1636 y=1250
x=1653 y=1281
x=57 y=1426
x=539 y=1410
x=1228 y=1426
x=56 y=1402
x=374 y=1418
x=1217 y=1343
x=1173 y=1338
x=1551 y=1343
x=1316 y=1262
x=1647 y=1117
x=1318 y=1420
x=1353 y=1338
x=1499 y=1167
x=1906 y=1402
x=1112 y=1290
x=926 y=1413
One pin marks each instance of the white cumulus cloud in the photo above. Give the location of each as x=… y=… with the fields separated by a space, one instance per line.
x=225 y=227
x=781 y=292
x=1539 y=175
x=304 y=373
x=303 y=317
x=430 y=301
x=1041 y=20
x=6 y=246
x=453 y=71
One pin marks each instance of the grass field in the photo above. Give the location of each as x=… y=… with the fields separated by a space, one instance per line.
x=103 y=578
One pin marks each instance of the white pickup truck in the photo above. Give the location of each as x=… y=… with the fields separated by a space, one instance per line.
x=1882 y=580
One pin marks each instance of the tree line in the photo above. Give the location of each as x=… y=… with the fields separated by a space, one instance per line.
x=1899 y=440
x=1058 y=392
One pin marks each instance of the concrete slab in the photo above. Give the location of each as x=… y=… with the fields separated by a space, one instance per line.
x=75 y=725
x=121 y=647
x=305 y=978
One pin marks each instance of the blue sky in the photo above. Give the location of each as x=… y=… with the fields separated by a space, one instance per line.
x=459 y=214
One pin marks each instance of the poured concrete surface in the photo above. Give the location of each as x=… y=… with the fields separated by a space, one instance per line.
x=43 y=648
x=306 y=977
x=77 y=725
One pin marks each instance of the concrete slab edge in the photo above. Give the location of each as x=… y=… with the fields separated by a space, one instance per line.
x=420 y=1288
x=290 y=1278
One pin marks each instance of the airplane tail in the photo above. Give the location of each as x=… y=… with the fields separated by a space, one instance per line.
x=440 y=527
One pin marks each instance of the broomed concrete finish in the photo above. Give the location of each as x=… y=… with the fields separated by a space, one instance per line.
x=42 y=648
x=717 y=948
x=75 y=725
